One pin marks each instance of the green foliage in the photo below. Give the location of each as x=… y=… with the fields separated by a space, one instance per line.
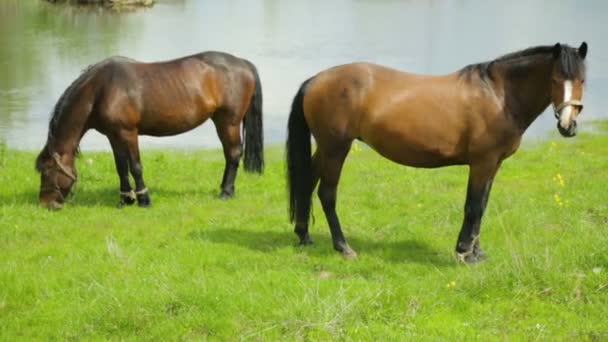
x=195 y=267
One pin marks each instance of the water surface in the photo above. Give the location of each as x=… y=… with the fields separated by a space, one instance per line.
x=44 y=47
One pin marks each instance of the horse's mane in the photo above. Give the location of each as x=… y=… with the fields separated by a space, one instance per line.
x=59 y=106
x=56 y=116
x=571 y=64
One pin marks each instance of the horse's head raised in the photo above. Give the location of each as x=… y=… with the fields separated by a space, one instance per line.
x=57 y=176
x=568 y=77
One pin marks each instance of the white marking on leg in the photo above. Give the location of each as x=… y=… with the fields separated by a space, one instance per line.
x=566 y=114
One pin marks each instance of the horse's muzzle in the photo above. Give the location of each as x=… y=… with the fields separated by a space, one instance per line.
x=569 y=132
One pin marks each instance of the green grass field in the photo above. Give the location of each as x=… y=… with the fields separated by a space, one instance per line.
x=194 y=267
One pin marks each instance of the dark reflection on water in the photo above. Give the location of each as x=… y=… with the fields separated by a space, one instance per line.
x=43 y=47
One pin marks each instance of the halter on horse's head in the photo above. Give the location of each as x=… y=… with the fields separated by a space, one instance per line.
x=57 y=179
x=568 y=77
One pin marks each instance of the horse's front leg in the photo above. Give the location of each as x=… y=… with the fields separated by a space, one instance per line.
x=230 y=137
x=121 y=158
x=481 y=176
x=137 y=170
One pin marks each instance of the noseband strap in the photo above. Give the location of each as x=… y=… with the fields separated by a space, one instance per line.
x=62 y=167
x=574 y=103
x=55 y=187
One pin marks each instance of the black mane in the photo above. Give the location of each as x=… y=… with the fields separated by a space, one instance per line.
x=571 y=64
x=56 y=115
x=59 y=106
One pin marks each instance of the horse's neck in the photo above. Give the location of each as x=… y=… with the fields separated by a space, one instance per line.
x=527 y=89
x=66 y=138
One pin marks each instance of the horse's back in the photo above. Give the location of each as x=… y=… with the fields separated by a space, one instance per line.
x=166 y=97
x=413 y=119
x=359 y=93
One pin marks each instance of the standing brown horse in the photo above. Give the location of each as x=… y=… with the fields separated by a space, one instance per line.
x=475 y=116
x=123 y=98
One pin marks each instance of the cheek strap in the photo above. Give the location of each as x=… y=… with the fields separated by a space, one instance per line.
x=62 y=167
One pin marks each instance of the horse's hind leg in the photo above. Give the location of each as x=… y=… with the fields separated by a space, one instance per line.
x=331 y=167
x=230 y=137
x=481 y=176
x=121 y=158
x=301 y=228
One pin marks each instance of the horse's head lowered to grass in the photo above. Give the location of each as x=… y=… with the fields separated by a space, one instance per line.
x=57 y=177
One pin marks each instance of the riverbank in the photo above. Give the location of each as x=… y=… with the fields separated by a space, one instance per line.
x=196 y=267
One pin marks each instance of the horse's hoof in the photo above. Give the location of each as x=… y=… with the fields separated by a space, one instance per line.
x=471 y=257
x=346 y=251
x=349 y=254
x=144 y=204
x=224 y=195
x=143 y=199
x=305 y=240
x=480 y=254
x=125 y=202
x=54 y=206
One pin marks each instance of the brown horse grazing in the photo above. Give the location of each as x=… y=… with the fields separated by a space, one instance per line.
x=123 y=98
x=475 y=116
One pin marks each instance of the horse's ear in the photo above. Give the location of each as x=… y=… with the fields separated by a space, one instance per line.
x=557 y=50
x=582 y=50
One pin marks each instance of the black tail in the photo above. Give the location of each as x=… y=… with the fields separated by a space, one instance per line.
x=299 y=160
x=253 y=129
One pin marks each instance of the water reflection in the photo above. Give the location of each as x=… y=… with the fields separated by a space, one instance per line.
x=44 y=47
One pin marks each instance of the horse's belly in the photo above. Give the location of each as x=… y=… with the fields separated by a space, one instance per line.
x=418 y=150
x=172 y=124
x=411 y=156
x=431 y=140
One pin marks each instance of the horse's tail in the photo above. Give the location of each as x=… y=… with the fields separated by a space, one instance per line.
x=299 y=159
x=253 y=128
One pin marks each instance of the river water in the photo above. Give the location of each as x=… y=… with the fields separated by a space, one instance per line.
x=44 y=47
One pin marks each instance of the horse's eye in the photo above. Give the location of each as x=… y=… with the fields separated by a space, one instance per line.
x=582 y=81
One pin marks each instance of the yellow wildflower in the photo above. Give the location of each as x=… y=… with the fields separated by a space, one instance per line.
x=560 y=179
x=558 y=200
